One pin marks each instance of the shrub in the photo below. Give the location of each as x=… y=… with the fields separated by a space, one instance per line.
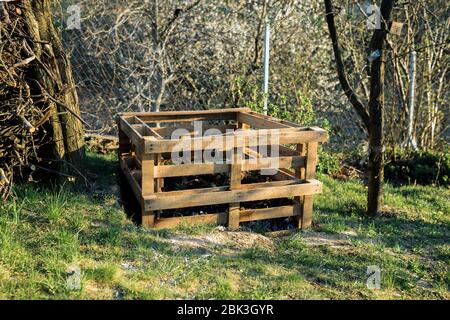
x=328 y=163
x=423 y=167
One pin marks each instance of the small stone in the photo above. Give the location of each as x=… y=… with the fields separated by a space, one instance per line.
x=424 y=284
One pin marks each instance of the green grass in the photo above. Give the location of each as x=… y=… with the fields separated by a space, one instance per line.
x=43 y=234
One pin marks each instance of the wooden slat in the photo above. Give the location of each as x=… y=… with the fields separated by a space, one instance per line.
x=158 y=181
x=298 y=201
x=188 y=116
x=133 y=135
x=147 y=130
x=247 y=186
x=184 y=170
x=249 y=138
x=261 y=192
x=124 y=141
x=267 y=213
x=148 y=187
x=132 y=180
x=218 y=218
x=191 y=112
x=266 y=163
x=284 y=122
x=235 y=184
x=222 y=218
x=167 y=131
x=310 y=173
x=259 y=122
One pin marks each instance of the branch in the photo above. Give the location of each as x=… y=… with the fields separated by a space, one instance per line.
x=178 y=12
x=48 y=95
x=349 y=92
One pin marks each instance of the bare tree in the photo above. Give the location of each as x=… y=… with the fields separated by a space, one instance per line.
x=371 y=113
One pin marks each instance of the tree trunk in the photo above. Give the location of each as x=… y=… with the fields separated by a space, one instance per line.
x=376 y=105
x=373 y=120
x=50 y=79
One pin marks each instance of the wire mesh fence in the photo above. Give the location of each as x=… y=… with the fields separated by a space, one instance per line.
x=128 y=57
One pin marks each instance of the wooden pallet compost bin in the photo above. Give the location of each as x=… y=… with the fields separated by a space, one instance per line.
x=149 y=141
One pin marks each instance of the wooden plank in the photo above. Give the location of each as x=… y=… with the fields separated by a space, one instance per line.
x=259 y=122
x=247 y=186
x=159 y=181
x=147 y=130
x=248 y=138
x=251 y=153
x=188 y=116
x=235 y=184
x=263 y=191
x=282 y=121
x=132 y=180
x=233 y=216
x=147 y=175
x=148 y=187
x=266 y=163
x=190 y=112
x=307 y=211
x=132 y=134
x=124 y=142
x=243 y=126
x=184 y=170
x=267 y=213
x=222 y=218
x=165 y=223
x=167 y=131
x=299 y=174
x=310 y=173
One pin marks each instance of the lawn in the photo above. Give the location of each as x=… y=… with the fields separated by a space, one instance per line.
x=48 y=237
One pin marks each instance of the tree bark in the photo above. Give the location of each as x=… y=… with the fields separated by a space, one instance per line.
x=376 y=105
x=342 y=74
x=373 y=118
x=50 y=79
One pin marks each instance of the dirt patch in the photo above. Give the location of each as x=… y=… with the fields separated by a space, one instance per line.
x=333 y=240
x=229 y=242
x=224 y=242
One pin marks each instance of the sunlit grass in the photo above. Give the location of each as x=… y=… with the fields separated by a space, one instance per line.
x=44 y=233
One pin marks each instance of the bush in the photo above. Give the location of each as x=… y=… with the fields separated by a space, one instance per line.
x=328 y=163
x=423 y=167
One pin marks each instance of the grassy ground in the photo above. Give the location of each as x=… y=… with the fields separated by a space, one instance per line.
x=44 y=235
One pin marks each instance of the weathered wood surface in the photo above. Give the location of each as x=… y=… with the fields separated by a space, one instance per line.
x=176 y=199
x=144 y=148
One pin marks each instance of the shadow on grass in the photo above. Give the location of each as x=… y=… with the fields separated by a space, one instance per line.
x=103 y=236
x=396 y=229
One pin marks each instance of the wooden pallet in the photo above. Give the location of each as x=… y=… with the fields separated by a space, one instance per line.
x=146 y=142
